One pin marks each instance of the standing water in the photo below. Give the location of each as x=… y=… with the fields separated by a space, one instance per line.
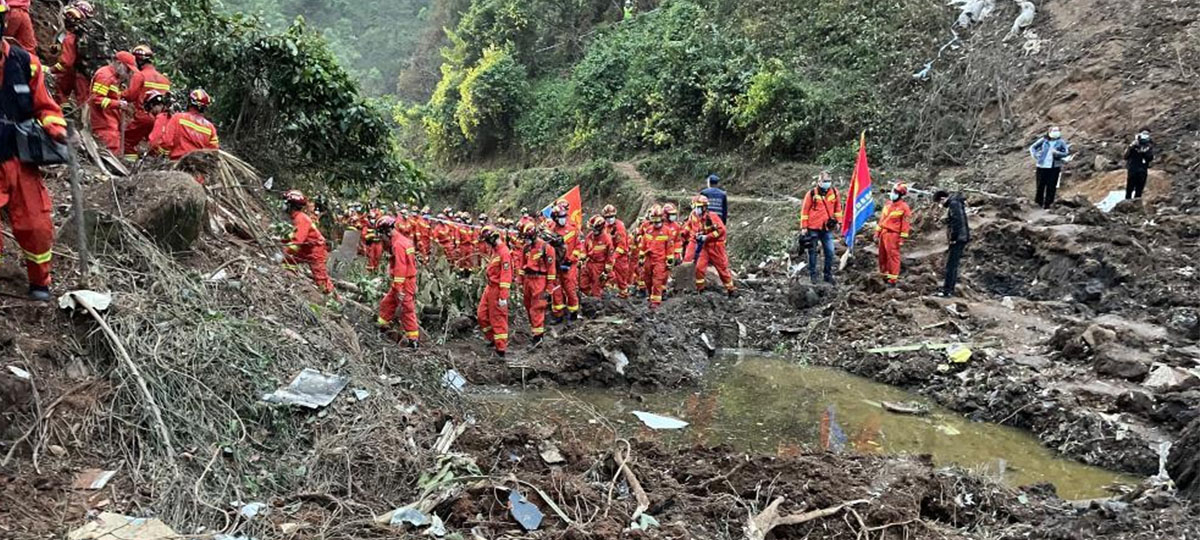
x=769 y=405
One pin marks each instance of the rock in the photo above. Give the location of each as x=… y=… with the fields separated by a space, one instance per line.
x=1164 y=377
x=170 y=207
x=1184 y=462
x=1115 y=360
x=1100 y=163
x=1185 y=322
x=1130 y=206
x=1097 y=335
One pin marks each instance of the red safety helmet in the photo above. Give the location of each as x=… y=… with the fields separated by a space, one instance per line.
x=669 y=209
x=483 y=218
x=295 y=196
x=609 y=211
x=72 y=13
x=528 y=227
x=596 y=222
x=199 y=98
x=901 y=188
x=657 y=213
x=385 y=222
x=143 y=53
x=699 y=201
x=489 y=232
x=154 y=96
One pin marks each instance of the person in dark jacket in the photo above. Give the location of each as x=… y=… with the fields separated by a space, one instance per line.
x=718 y=202
x=958 y=233
x=1138 y=156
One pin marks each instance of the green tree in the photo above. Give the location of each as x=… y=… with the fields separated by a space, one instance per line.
x=492 y=94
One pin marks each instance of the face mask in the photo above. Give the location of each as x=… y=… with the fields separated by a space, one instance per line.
x=698 y=211
x=658 y=224
x=671 y=218
x=1055 y=134
x=561 y=221
x=610 y=220
x=894 y=196
x=826 y=185
x=1144 y=137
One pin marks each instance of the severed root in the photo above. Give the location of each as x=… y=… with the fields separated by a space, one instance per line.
x=758 y=527
x=634 y=485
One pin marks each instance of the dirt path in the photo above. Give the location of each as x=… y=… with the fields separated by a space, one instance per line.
x=651 y=195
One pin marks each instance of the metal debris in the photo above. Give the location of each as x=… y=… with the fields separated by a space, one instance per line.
x=311 y=389
x=524 y=511
x=656 y=421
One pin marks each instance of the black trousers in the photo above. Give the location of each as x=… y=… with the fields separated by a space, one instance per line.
x=1135 y=182
x=953 y=258
x=1047 y=186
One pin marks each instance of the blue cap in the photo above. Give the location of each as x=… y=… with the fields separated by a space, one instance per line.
x=712 y=178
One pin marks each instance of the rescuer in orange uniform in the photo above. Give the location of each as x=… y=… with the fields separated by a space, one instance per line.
x=108 y=105
x=19 y=26
x=566 y=294
x=444 y=235
x=67 y=78
x=891 y=231
x=678 y=232
x=622 y=274
x=424 y=233
x=539 y=270
x=493 y=307
x=641 y=229
x=180 y=134
x=147 y=79
x=600 y=252
x=306 y=245
x=372 y=240
x=22 y=193
x=656 y=246
x=820 y=218
x=403 y=292
x=707 y=233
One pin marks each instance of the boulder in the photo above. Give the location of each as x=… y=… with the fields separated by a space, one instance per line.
x=170 y=207
x=1096 y=336
x=1121 y=362
x=1184 y=462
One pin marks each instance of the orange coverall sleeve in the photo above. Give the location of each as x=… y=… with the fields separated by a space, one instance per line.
x=137 y=84
x=719 y=231
x=47 y=111
x=905 y=222
x=158 y=134
x=804 y=209
x=506 y=271
x=552 y=261
x=303 y=228
x=68 y=56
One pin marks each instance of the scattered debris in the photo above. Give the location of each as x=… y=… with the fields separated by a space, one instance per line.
x=708 y=344
x=437 y=527
x=99 y=301
x=913 y=408
x=948 y=430
x=644 y=522
x=453 y=380
x=655 y=421
x=93 y=479
x=524 y=511
x=550 y=454
x=411 y=516
x=1007 y=302
x=1111 y=200
x=1023 y=20
x=618 y=358
x=289 y=529
x=20 y=373
x=310 y=389
x=252 y=510
x=361 y=394
x=109 y=526
x=57 y=450
x=958 y=354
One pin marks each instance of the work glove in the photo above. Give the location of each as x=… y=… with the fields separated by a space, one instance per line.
x=502 y=303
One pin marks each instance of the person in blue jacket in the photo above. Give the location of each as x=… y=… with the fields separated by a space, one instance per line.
x=1049 y=153
x=718 y=203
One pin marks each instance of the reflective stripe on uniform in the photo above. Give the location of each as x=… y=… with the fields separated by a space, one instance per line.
x=158 y=86
x=54 y=119
x=506 y=285
x=382 y=322
x=196 y=127
x=412 y=335
x=399 y=280
x=38 y=258
x=500 y=336
x=539 y=330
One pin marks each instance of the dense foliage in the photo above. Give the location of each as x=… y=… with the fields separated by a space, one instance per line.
x=374 y=39
x=281 y=98
x=781 y=79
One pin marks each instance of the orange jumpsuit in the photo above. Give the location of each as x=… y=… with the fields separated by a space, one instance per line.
x=374 y=247
x=600 y=255
x=712 y=252
x=680 y=235
x=19 y=26
x=68 y=80
x=424 y=233
x=181 y=134
x=404 y=284
x=656 y=245
x=538 y=271
x=566 y=294
x=890 y=232
x=493 y=318
x=444 y=235
x=640 y=269
x=21 y=189
x=307 y=246
x=623 y=258
x=139 y=129
x=106 y=113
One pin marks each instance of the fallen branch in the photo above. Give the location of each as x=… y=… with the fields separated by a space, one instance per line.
x=758 y=527
x=634 y=485
x=137 y=374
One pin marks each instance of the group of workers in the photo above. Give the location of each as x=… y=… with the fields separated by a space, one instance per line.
x=547 y=257
x=129 y=101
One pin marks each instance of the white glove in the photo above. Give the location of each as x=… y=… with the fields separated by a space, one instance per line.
x=502 y=303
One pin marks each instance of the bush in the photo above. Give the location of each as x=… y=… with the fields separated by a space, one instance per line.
x=491 y=96
x=546 y=123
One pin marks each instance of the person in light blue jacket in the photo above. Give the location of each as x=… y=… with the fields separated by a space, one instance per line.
x=1049 y=154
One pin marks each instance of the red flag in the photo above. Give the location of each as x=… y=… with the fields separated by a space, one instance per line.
x=574 y=199
x=859 y=204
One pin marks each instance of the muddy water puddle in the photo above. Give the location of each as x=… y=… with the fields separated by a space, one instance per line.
x=774 y=406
